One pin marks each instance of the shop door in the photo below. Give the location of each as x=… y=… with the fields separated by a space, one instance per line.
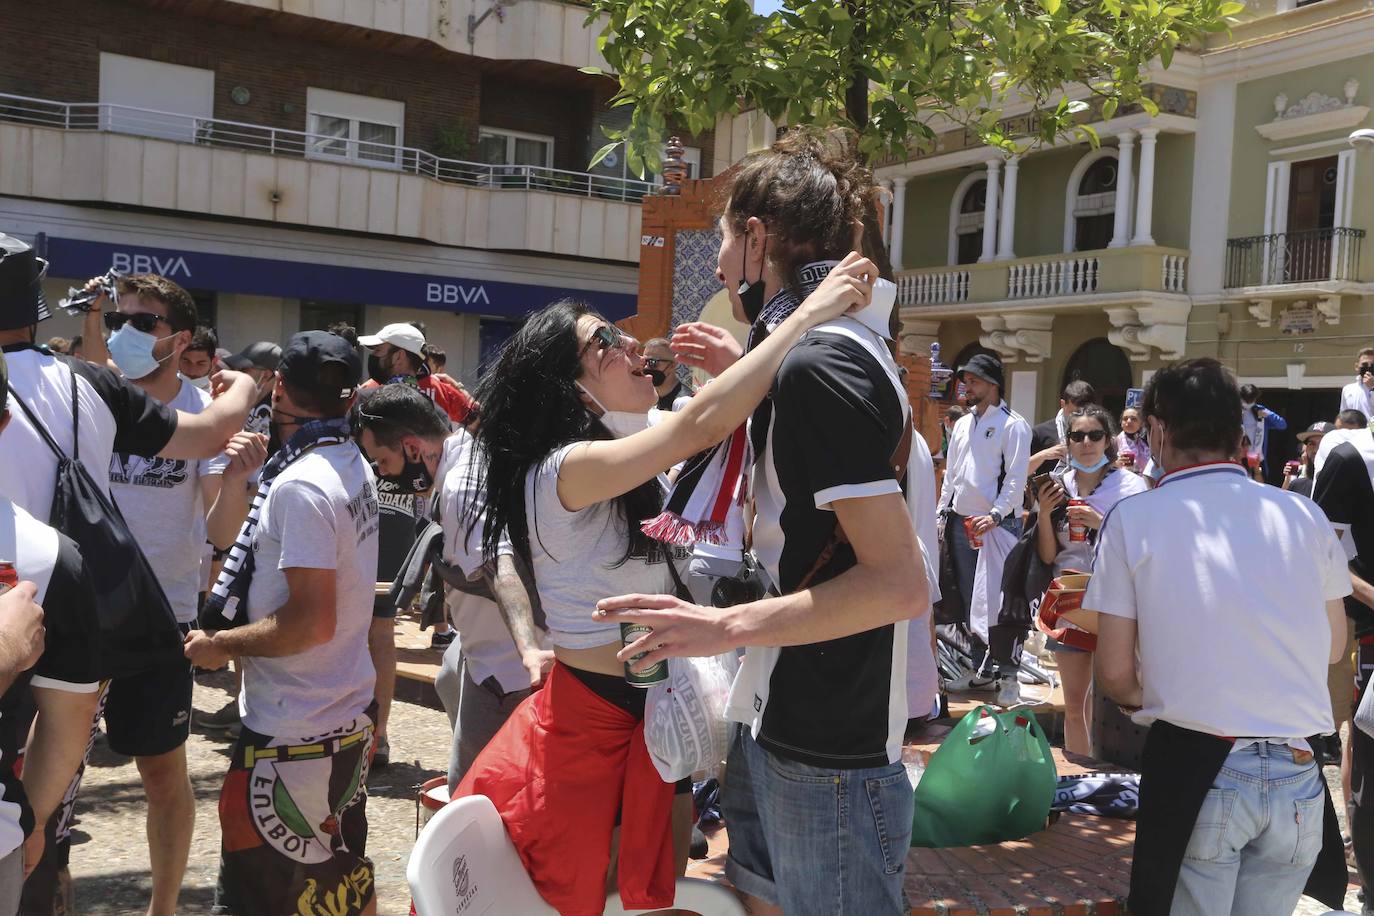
x=1301 y=409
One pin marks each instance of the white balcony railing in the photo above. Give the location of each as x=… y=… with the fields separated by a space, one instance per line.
x=939 y=288
x=1174 y=274
x=276 y=141
x=1039 y=279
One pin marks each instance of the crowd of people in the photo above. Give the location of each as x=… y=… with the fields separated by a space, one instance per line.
x=587 y=512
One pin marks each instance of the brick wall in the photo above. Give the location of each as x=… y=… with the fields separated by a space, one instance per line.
x=565 y=116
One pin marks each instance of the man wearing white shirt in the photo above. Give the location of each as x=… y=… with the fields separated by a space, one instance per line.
x=1219 y=603
x=1359 y=394
x=985 y=476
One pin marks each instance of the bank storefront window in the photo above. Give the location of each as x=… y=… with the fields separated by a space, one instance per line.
x=317 y=315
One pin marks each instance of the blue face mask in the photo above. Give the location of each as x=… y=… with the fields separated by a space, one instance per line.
x=132 y=351
x=1088 y=469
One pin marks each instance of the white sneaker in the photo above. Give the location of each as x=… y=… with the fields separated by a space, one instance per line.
x=974 y=680
x=1008 y=691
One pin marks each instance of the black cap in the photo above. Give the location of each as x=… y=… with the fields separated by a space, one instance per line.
x=308 y=352
x=984 y=366
x=22 y=303
x=1320 y=428
x=261 y=355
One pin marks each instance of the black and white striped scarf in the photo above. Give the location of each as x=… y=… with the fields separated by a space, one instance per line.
x=227 y=604
x=713 y=481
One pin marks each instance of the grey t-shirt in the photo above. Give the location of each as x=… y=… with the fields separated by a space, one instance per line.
x=160 y=501
x=321 y=513
x=577 y=560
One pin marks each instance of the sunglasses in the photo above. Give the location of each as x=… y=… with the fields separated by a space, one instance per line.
x=604 y=338
x=142 y=321
x=655 y=362
x=1079 y=435
x=1366 y=368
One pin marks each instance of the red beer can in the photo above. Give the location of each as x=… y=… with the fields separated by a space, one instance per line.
x=975 y=541
x=1077 y=532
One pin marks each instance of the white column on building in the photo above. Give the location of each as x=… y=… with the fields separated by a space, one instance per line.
x=885 y=196
x=990 y=211
x=1121 y=221
x=1145 y=195
x=1007 y=228
x=898 y=221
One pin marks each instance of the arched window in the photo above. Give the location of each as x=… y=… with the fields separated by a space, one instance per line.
x=1090 y=202
x=966 y=219
x=1104 y=366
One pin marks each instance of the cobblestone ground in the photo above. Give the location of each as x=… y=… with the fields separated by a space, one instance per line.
x=110 y=858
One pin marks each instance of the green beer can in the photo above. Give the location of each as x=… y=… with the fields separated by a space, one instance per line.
x=629 y=632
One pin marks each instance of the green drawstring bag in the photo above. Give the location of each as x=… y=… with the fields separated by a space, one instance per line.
x=992 y=780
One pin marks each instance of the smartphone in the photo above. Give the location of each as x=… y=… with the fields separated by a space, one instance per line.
x=1037 y=482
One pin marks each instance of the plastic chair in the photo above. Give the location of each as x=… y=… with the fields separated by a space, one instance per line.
x=465 y=863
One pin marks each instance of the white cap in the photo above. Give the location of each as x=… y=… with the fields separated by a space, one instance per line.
x=402 y=336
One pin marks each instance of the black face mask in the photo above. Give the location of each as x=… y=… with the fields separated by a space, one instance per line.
x=414 y=477
x=657 y=376
x=751 y=294
x=375 y=370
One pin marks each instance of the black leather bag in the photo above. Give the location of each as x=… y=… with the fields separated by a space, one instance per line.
x=138 y=630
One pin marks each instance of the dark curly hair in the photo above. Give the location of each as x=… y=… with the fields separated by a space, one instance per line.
x=809 y=189
x=531 y=406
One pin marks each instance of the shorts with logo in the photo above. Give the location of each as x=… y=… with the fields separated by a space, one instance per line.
x=149 y=713
x=816 y=841
x=293 y=823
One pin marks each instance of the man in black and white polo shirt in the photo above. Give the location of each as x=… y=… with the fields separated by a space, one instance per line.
x=1344 y=489
x=39 y=566
x=822 y=694
x=981 y=499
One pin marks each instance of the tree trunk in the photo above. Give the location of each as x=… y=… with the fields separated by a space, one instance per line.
x=856 y=108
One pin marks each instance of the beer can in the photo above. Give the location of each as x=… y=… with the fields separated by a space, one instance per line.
x=1128 y=459
x=1077 y=532
x=656 y=674
x=974 y=540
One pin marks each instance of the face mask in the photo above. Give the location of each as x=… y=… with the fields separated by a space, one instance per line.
x=132 y=352
x=203 y=383
x=414 y=477
x=1093 y=468
x=751 y=294
x=375 y=370
x=620 y=423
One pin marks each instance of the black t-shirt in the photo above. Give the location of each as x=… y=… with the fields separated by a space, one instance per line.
x=679 y=391
x=1043 y=435
x=830 y=429
x=398 y=507
x=1346 y=494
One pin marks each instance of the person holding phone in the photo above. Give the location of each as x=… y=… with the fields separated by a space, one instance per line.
x=1072 y=506
x=1359 y=394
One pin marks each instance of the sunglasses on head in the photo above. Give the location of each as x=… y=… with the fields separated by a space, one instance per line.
x=142 y=321
x=605 y=338
x=1078 y=435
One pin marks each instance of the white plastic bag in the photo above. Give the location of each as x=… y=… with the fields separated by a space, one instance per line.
x=684 y=716
x=1364 y=714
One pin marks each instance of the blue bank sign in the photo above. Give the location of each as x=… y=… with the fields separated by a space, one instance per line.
x=77 y=259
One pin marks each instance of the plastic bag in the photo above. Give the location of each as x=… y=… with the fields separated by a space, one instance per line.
x=1364 y=714
x=684 y=716
x=992 y=780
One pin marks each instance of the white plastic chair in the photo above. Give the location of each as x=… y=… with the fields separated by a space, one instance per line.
x=465 y=863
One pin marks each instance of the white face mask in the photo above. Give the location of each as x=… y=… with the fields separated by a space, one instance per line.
x=620 y=423
x=203 y=383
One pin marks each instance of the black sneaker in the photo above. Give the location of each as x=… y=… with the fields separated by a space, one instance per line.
x=442 y=640
x=699 y=849
x=222 y=719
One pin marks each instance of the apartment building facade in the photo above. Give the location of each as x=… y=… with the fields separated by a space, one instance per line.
x=299 y=162
x=1231 y=224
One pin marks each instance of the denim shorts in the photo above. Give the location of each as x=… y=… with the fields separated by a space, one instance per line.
x=817 y=841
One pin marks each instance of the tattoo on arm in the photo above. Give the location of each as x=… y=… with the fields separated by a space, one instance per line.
x=516 y=598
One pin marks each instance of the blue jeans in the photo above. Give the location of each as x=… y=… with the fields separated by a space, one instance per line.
x=816 y=841
x=1256 y=838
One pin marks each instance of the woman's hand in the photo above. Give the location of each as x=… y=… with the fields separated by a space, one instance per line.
x=706 y=347
x=1051 y=495
x=849 y=287
x=1085 y=515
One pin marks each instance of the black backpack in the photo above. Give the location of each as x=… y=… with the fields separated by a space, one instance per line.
x=138 y=630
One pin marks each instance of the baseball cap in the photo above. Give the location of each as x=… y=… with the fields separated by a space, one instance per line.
x=310 y=351
x=402 y=336
x=22 y=302
x=1320 y=428
x=261 y=355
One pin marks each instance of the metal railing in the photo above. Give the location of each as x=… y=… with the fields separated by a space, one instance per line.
x=1294 y=257
x=276 y=141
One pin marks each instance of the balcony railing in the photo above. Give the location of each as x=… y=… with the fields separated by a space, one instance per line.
x=1311 y=256
x=1108 y=271
x=276 y=141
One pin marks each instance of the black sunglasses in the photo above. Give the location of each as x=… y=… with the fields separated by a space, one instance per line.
x=1366 y=368
x=605 y=338
x=142 y=321
x=654 y=362
x=1078 y=435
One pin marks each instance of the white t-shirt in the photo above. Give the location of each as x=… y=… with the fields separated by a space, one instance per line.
x=577 y=560
x=160 y=501
x=487 y=643
x=1227 y=579
x=114 y=414
x=321 y=513
x=1355 y=396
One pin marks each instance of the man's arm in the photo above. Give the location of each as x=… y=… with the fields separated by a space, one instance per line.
x=1335 y=617
x=887 y=584
x=1114 y=661
x=957 y=446
x=515 y=596
x=306 y=620
x=204 y=434
x=21 y=632
x=60 y=734
x=226 y=496
x=1016 y=459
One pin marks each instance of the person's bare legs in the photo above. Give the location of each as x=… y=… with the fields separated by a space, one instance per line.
x=1076 y=674
x=171 y=822
x=381 y=645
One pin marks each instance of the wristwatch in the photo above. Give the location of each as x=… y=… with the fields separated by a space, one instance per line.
x=996 y=518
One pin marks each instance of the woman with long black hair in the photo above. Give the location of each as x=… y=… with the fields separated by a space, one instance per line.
x=571 y=476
